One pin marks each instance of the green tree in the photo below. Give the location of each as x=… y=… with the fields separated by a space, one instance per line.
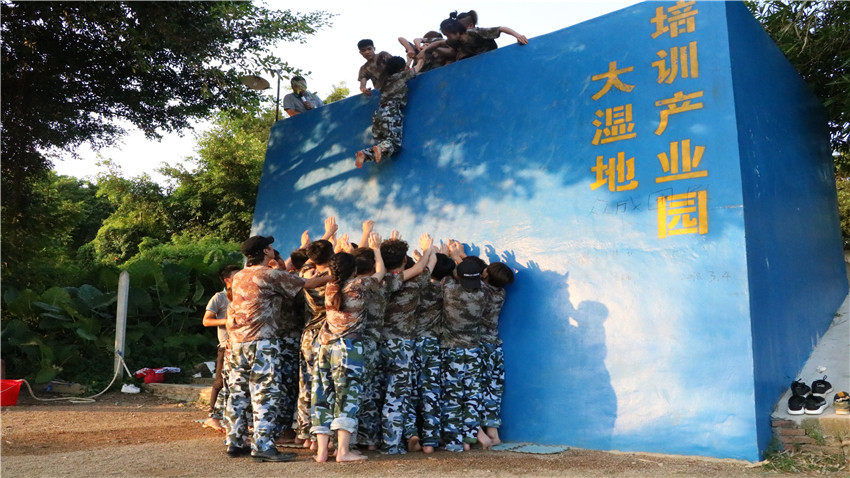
x=217 y=197
x=340 y=92
x=815 y=37
x=42 y=240
x=76 y=72
x=140 y=213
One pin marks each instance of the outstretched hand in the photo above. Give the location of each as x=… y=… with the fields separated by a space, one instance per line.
x=395 y=235
x=330 y=226
x=368 y=225
x=305 y=238
x=375 y=240
x=425 y=242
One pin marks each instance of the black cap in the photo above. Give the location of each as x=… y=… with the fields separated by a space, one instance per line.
x=469 y=273
x=254 y=245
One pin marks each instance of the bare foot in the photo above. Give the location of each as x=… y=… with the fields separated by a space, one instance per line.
x=313 y=445
x=467 y=447
x=413 y=444
x=493 y=433
x=484 y=440
x=214 y=424
x=378 y=152
x=428 y=449
x=372 y=447
x=321 y=457
x=299 y=441
x=348 y=456
x=361 y=157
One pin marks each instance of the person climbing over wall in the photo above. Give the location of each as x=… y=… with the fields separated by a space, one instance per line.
x=434 y=59
x=388 y=119
x=470 y=42
x=374 y=68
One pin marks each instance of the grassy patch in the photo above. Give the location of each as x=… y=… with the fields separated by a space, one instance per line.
x=801 y=462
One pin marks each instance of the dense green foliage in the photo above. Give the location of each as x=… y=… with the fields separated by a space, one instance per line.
x=77 y=72
x=69 y=332
x=815 y=37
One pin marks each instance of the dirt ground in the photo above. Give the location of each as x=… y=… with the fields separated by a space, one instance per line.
x=125 y=435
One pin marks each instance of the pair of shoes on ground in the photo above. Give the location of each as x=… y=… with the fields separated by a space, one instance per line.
x=270 y=455
x=808 y=400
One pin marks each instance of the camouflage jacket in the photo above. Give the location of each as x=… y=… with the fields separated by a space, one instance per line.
x=257 y=293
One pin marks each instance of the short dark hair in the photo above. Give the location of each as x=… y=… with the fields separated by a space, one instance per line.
x=443 y=268
x=297 y=78
x=469 y=19
x=320 y=252
x=393 y=251
x=452 y=26
x=364 y=257
x=364 y=43
x=395 y=65
x=432 y=34
x=499 y=275
x=298 y=258
x=228 y=271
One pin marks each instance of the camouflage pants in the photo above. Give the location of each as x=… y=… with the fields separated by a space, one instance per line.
x=253 y=383
x=309 y=352
x=492 y=384
x=387 y=127
x=395 y=358
x=288 y=381
x=424 y=411
x=461 y=395
x=369 y=419
x=337 y=387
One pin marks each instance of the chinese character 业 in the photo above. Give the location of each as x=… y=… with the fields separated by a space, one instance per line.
x=681 y=166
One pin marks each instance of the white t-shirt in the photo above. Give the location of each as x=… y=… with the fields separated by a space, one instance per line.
x=218 y=305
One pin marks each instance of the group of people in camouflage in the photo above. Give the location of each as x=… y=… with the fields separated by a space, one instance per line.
x=392 y=352
x=390 y=74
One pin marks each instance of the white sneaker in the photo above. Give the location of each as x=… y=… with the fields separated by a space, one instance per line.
x=130 y=388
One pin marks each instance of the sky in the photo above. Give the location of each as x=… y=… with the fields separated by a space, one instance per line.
x=330 y=57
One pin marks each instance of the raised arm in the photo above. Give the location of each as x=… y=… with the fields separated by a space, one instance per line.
x=375 y=244
x=425 y=242
x=432 y=46
x=314 y=282
x=330 y=228
x=521 y=39
x=368 y=225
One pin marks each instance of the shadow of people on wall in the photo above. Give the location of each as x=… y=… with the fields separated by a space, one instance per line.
x=557 y=387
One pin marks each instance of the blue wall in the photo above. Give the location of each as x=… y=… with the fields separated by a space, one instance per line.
x=623 y=330
x=794 y=254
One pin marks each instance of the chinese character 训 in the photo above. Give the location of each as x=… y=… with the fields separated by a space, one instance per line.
x=679 y=103
x=618 y=125
x=612 y=78
x=681 y=166
x=683 y=214
x=679 y=59
x=680 y=19
x=618 y=173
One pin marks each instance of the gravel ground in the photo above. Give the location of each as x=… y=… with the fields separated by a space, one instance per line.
x=144 y=435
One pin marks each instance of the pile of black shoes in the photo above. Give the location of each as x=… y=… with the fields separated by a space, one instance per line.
x=808 y=400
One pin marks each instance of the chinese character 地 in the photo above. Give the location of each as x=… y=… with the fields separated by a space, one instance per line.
x=618 y=173
x=680 y=214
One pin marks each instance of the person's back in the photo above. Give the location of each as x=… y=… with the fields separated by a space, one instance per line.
x=257 y=293
x=462 y=312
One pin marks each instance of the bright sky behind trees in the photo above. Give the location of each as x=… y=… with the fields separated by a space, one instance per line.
x=330 y=57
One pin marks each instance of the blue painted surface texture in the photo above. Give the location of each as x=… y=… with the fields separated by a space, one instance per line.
x=630 y=324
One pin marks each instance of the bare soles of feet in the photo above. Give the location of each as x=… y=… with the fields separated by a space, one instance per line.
x=378 y=152
x=413 y=444
x=428 y=449
x=361 y=157
x=493 y=433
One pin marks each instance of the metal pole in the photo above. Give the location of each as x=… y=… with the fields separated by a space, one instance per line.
x=121 y=321
x=277 y=101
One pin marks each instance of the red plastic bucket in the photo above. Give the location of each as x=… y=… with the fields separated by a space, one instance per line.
x=9 y=390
